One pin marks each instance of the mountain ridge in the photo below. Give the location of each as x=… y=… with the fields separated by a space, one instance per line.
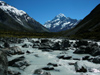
x=19 y=19
x=89 y=27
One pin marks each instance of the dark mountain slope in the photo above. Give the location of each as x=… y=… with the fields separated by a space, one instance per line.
x=17 y=20
x=89 y=27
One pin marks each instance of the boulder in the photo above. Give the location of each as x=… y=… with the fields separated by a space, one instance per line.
x=41 y=72
x=96 y=59
x=80 y=50
x=92 y=49
x=6 y=45
x=80 y=67
x=48 y=68
x=56 y=46
x=80 y=43
x=65 y=44
x=44 y=40
x=12 y=50
x=21 y=64
x=71 y=63
x=85 y=57
x=76 y=58
x=20 y=41
x=25 y=46
x=52 y=64
x=28 y=52
x=60 y=56
x=3 y=63
x=67 y=57
x=12 y=62
x=10 y=72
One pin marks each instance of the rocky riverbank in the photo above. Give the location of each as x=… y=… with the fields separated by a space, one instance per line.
x=49 y=56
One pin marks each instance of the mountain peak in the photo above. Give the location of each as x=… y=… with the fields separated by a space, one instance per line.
x=60 y=15
x=60 y=23
x=2 y=3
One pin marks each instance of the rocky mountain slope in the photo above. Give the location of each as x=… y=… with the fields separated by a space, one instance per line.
x=60 y=23
x=17 y=20
x=89 y=27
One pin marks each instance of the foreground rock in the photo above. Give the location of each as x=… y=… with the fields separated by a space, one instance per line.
x=48 y=68
x=81 y=43
x=3 y=63
x=21 y=64
x=96 y=59
x=80 y=67
x=10 y=72
x=41 y=72
x=52 y=64
x=64 y=57
x=13 y=50
x=12 y=62
x=91 y=48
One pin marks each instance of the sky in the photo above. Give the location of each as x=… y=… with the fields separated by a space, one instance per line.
x=44 y=10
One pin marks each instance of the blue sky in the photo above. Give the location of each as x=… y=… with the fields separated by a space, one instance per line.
x=44 y=10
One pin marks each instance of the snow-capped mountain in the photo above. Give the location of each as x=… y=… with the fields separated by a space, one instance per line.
x=15 y=19
x=60 y=23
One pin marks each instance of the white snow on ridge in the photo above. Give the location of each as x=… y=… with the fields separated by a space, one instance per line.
x=47 y=25
x=7 y=8
x=55 y=20
x=64 y=24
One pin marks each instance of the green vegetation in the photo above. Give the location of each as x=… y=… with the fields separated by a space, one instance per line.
x=27 y=34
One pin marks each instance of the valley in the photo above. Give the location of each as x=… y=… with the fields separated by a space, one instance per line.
x=62 y=46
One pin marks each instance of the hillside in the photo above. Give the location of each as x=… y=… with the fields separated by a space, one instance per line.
x=12 y=19
x=89 y=27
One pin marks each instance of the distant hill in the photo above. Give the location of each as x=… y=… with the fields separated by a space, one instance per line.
x=61 y=23
x=89 y=27
x=12 y=19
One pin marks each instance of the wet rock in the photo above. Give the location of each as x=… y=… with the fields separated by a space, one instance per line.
x=13 y=50
x=44 y=40
x=56 y=46
x=25 y=46
x=44 y=47
x=6 y=45
x=95 y=51
x=80 y=43
x=47 y=50
x=36 y=45
x=80 y=67
x=85 y=57
x=41 y=72
x=48 y=68
x=21 y=64
x=64 y=57
x=80 y=50
x=60 y=56
x=96 y=60
x=92 y=49
x=20 y=41
x=12 y=62
x=3 y=63
x=65 y=44
x=71 y=63
x=28 y=52
x=10 y=72
x=76 y=58
x=67 y=57
x=52 y=64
